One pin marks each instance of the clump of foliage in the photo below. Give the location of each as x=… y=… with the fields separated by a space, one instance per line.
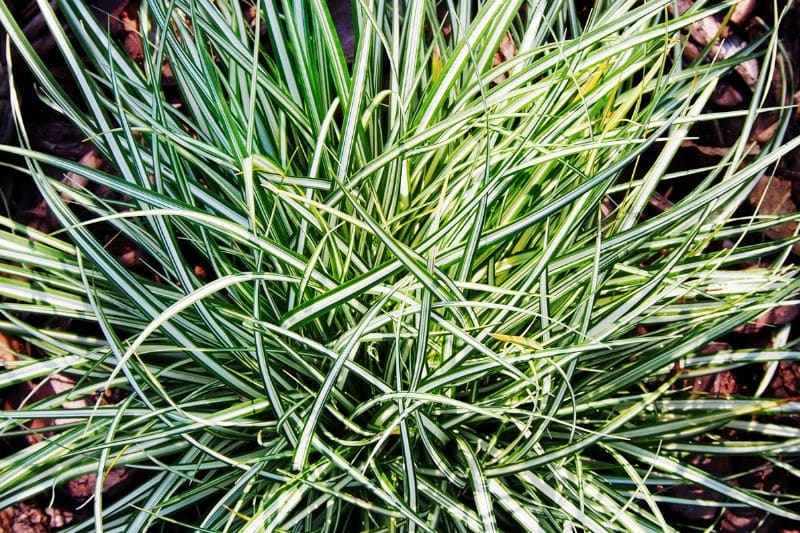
x=434 y=297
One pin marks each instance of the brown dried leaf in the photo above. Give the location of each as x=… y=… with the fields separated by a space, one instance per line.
x=90 y=159
x=716 y=346
x=725 y=95
x=130 y=258
x=718 y=151
x=765 y=133
x=773 y=196
x=786 y=381
x=724 y=44
x=740 y=521
x=59 y=517
x=82 y=487
x=133 y=46
x=661 y=202
x=719 y=384
x=747 y=70
x=682 y=5
x=506 y=51
x=778 y=316
x=24 y=518
x=7 y=353
x=29 y=392
x=128 y=23
x=742 y=11
x=724 y=383
x=507 y=48
x=133 y=41
x=166 y=72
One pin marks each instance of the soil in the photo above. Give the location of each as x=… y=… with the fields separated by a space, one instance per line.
x=778 y=193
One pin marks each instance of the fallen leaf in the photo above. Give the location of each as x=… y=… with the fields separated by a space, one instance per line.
x=718 y=151
x=773 y=196
x=765 y=133
x=742 y=11
x=723 y=43
x=133 y=41
x=59 y=517
x=89 y=159
x=7 y=354
x=24 y=518
x=506 y=51
x=83 y=487
x=783 y=314
x=725 y=95
x=786 y=381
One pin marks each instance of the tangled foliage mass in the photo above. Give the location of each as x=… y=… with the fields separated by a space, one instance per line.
x=424 y=289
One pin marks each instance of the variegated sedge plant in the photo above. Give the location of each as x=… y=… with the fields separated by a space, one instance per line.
x=436 y=299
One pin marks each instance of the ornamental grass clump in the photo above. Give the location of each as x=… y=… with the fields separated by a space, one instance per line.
x=421 y=290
